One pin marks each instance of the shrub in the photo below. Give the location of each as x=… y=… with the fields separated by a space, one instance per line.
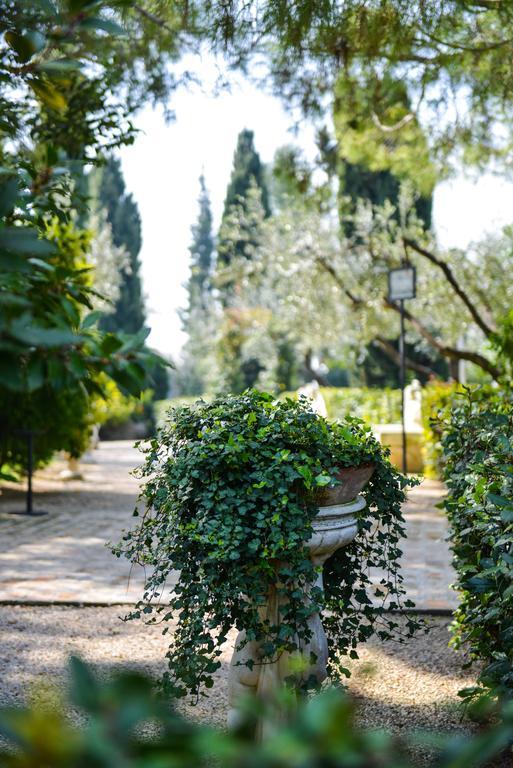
x=123 y=723
x=437 y=399
x=375 y=406
x=59 y=419
x=226 y=498
x=478 y=458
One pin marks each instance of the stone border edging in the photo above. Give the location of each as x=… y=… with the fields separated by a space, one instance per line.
x=90 y=604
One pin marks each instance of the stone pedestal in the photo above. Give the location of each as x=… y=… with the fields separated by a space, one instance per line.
x=334 y=527
x=391 y=436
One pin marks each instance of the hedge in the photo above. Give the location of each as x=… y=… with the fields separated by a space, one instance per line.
x=477 y=440
x=372 y=405
x=437 y=400
x=376 y=406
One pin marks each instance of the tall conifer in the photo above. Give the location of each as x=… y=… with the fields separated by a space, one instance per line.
x=202 y=249
x=123 y=216
x=247 y=172
x=197 y=318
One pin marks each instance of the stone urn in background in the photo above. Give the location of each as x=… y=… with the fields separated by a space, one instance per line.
x=334 y=526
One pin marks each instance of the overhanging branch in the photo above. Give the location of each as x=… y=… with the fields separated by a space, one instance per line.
x=447 y=351
x=453 y=282
x=452 y=353
x=389 y=349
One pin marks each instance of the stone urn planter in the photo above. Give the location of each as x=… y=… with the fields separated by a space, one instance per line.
x=232 y=489
x=335 y=526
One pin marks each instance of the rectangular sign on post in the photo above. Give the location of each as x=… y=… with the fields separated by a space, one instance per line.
x=401 y=283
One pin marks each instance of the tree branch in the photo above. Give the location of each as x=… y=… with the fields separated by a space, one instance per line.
x=355 y=301
x=453 y=282
x=452 y=353
x=389 y=349
x=392 y=128
x=154 y=19
x=491 y=46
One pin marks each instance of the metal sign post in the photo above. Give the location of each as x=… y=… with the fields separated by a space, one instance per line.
x=402 y=283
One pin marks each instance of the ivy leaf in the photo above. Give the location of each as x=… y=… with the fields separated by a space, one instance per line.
x=499 y=501
x=507 y=515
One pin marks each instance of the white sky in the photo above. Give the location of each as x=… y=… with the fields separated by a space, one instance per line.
x=163 y=166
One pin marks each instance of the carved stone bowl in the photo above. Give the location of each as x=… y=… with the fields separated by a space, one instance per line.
x=352 y=481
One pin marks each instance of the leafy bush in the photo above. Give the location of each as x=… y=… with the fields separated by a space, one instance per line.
x=226 y=497
x=437 y=399
x=478 y=457
x=125 y=724
x=59 y=418
x=162 y=407
x=62 y=420
x=374 y=406
x=57 y=115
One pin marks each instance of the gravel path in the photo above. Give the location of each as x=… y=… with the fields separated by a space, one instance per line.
x=412 y=685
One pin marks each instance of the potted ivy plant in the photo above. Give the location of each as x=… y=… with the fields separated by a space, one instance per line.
x=231 y=491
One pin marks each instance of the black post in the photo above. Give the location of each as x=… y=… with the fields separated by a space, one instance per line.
x=30 y=461
x=402 y=376
x=29 y=502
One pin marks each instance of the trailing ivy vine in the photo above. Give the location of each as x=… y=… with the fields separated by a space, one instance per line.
x=229 y=505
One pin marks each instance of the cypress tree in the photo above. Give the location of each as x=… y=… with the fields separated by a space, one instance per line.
x=247 y=171
x=202 y=249
x=358 y=182
x=197 y=318
x=123 y=216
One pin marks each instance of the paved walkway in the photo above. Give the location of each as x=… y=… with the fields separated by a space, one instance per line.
x=63 y=556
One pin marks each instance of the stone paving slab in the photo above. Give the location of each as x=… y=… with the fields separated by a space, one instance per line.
x=63 y=556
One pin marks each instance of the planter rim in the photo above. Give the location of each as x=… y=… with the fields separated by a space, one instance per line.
x=354 y=479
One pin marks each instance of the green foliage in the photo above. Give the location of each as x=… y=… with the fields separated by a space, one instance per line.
x=393 y=66
x=247 y=174
x=437 y=400
x=122 y=213
x=360 y=182
x=55 y=73
x=113 y=407
x=202 y=248
x=327 y=291
x=159 y=380
x=199 y=315
x=478 y=456
x=375 y=406
x=229 y=504
x=60 y=419
x=502 y=343
x=123 y=722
